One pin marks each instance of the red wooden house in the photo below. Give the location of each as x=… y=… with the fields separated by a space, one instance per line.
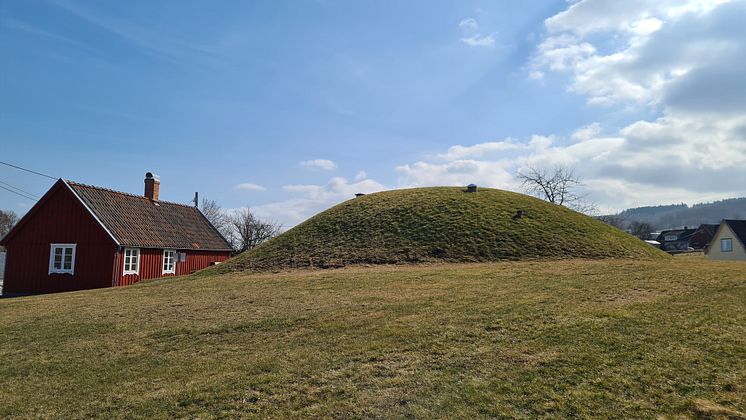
x=83 y=237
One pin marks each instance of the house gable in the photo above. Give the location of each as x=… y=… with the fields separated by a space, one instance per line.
x=58 y=218
x=726 y=231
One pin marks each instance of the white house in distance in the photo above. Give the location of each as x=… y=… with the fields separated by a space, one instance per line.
x=729 y=242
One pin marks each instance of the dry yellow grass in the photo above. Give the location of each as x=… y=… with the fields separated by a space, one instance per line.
x=610 y=338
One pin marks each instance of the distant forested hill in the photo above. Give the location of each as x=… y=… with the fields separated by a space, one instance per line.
x=677 y=215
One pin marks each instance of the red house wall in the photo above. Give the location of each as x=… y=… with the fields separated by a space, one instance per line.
x=59 y=218
x=151 y=264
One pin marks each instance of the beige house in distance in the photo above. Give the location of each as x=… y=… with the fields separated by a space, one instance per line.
x=729 y=242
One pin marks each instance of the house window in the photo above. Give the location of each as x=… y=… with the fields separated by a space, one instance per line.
x=726 y=245
x=62 y=258
x=670 y=238
x=131 y=261
x=169 y=261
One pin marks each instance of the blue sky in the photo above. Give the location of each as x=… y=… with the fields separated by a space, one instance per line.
x=291 y=107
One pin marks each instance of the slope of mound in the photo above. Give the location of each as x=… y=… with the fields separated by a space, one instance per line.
x=440 y=224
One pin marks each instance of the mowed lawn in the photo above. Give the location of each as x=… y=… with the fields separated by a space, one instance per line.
x=610 y=338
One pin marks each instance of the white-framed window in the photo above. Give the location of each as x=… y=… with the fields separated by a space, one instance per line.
x=131 y=261
x=726 y=245
x=169 y=261
x=62 y=258
x=670 y=238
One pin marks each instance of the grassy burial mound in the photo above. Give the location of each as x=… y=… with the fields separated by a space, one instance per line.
x=441 y=224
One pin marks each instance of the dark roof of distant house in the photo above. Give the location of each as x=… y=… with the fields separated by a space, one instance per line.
x=681 y=234
x=739 y=228
x=711 y=228
x=137 y=221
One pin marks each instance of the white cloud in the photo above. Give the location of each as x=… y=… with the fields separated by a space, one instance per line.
x=646 y=26
x=685 y=62
x=469 y=24
x=311 y=199
x=337 y=187
x=324 y=164
x=560 y=53
x=477 y=150
x=480 y=40
x=472 y=36
x=586 y=132
x=643 y=163
x=536 y=75
x=587 y=17
x=635 y=51
x=361 y=175
x=492 y=164
x=249 y=186
x=495 y=174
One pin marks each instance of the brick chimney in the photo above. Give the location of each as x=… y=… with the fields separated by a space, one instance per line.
x=152 y=186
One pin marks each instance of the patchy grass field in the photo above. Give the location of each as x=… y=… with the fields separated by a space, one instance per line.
x=610 y=338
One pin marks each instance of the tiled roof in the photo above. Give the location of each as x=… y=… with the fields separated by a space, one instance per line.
x=681 y=234
x=137 y=221
x=739 y=228
x=710 y=228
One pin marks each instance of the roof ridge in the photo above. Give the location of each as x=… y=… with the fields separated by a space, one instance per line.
x=125 y=193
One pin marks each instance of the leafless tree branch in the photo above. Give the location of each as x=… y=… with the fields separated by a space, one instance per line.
x=8 y=219
x=215 y=214
x=242 y=229
x=247 y=231
x=559 y=186
x=641 y=230
x=613 y=220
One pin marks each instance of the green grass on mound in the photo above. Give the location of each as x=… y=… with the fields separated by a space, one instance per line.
x=559 y=339
x=440 y=224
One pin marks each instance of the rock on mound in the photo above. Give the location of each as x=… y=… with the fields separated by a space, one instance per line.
x=440 y=224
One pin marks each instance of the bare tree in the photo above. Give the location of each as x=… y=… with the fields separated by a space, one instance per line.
x=559 y=186
x=219 y=218
x=641 y=230
x=8 y=219
x=247 y=231
x=613 y=220
x=586 y=207
x=215 y=214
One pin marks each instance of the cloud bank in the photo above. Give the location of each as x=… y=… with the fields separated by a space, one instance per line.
x=684 y=62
